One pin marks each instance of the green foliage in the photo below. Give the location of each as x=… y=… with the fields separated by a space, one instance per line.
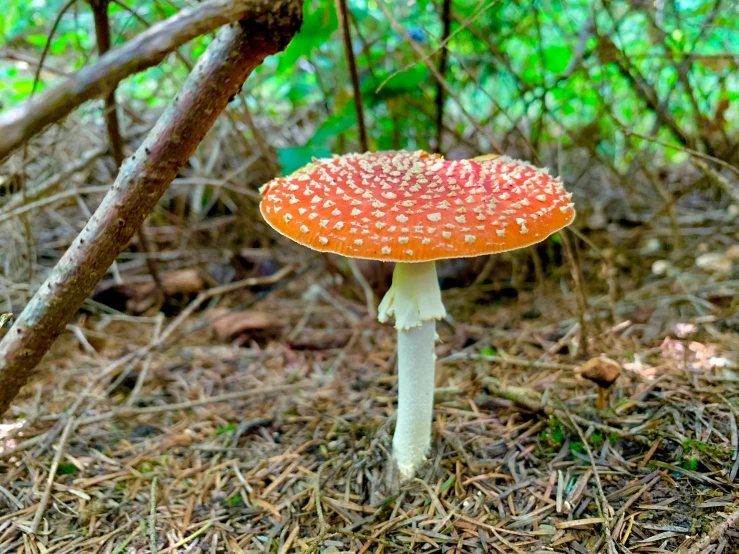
x=562 y=74
x=225 y=429
x=293 y=158
x=319 y=23
x=690 y=464
x=67 y=469
x=234 y=500
x=554 y=435
x=340 y=122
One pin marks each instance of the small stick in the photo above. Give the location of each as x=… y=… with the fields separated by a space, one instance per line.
x=71 y=424
x=508 y=360
x=319 y=510
x=153 y=517
x=184 y=541
x=342 y=12
x=369 y=295
x=529 y=399
x=435 y=72
x=236 y=395
x=580 y=298
x=446 y=22
x=121 y=547
x=267 y=154
x=147 y=363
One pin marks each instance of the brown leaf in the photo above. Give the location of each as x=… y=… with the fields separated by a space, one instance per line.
x=185 y=281
x=228 y=327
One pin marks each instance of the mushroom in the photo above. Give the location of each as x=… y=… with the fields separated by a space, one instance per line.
x=414 y=208
x=603 y=372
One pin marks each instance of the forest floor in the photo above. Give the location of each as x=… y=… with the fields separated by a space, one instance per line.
x=154 y=435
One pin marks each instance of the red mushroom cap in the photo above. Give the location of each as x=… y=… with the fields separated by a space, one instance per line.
x=416 y=207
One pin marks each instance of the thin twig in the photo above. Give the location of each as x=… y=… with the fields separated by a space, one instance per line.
x=446 y=25
x=227 y=397
x=223 y=289
x=121 y=547
x=435 y=72
x=342 y=12
x=153 y=517
x=580 y=297
x=369 y=295
x=71 y=425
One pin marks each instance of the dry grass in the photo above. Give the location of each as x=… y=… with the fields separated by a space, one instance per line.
x=281 y=446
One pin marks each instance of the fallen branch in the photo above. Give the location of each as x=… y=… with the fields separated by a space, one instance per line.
x=530 y=400
x=148 y=49
x=143 y=179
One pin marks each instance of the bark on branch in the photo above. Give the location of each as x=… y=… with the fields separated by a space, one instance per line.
x=146 y=50
x=143 y=178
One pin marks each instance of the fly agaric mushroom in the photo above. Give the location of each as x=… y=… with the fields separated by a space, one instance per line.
x=414 y=208
x=603 y=372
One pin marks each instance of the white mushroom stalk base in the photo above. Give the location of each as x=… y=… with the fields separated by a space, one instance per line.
x=414 y=299
x=416 y=358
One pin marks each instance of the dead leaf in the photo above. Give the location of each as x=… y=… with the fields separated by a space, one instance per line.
x=228 y=326
x=185 y=281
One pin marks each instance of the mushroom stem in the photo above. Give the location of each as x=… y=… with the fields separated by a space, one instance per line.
x=416 y=379
x=414 y=299
x=601 y=405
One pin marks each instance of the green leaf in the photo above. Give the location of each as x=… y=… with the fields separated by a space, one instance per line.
x=37 y=40
x=558 y=435
x=489 y=351
x=230 y=428
x=67 y=469
x=690 y=465
x=557 y=58
x=295 y=157
x=318 y=25
x=23 y=87
x=234 y=500
x=402 y=83
x=337 y=123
